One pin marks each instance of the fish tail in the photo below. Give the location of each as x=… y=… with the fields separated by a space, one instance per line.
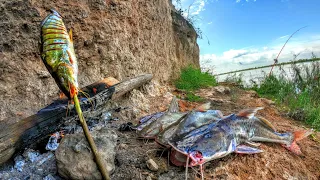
x=297 y=136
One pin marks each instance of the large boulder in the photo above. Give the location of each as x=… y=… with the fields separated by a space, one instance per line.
x=75 y=159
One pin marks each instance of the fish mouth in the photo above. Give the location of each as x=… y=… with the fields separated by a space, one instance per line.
x=196 y=158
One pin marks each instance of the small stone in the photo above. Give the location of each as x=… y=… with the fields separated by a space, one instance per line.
x=31 y=155
x=19 y=162
x=123 y=146
x=253 y=93
x=43 y=74
x=172 y=174
x=267 y=101
x=49 y=177
x=149 y=178
x=153 y=166
x=222 y=89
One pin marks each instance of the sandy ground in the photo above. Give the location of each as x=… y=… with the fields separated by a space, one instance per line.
x=274 y=163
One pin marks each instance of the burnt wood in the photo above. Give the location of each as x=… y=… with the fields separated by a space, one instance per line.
x=19 y=135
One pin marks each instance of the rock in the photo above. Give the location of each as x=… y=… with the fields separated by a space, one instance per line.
x=123 y=146
x=31 y=155
x=43 y=74
x=148 y=178
x=222 y=89
x=74 y=157
x=49 y=177
x=253 y=93
x=19 y=162
x=267 y=101
x=153 y=166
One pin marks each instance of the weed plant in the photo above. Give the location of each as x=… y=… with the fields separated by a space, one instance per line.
x=300 y=95
x=192 y=79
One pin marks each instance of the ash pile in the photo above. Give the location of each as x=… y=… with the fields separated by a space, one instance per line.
x=66 y=154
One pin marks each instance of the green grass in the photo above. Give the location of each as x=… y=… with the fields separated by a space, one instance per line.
x=300 y=95
x=193 y=98
x=192 y=79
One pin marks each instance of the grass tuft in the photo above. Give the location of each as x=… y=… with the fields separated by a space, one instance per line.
x=192 y=79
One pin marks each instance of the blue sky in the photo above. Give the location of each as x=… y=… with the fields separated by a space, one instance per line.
x=248 y=33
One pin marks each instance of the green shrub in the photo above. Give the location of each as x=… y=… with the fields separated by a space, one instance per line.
x=301 y=95
x=192 y=79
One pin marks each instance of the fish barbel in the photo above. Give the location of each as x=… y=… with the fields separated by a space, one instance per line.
x=233 y=134
x=57 y=53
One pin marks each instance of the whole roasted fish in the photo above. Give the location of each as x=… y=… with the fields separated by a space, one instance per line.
x=235 y=133
x=57 y=53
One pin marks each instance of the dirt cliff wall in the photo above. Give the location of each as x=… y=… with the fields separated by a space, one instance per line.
x=112 y=38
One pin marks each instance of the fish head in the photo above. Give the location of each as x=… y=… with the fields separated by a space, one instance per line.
x=201 y=151
x=212 y=145
x=67 y=80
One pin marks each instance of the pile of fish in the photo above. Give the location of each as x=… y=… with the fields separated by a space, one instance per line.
x=202 y=135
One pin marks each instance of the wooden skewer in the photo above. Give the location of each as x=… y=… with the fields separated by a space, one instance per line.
x=97 y=157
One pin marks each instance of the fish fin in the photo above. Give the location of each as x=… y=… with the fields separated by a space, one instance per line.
x=253 y=143
x=174 y=106
x=70 y=35
x=220 y=113
x=298 y=135
x=249 y=113
x=203 y=107
x=243 y=149
x=268 y=123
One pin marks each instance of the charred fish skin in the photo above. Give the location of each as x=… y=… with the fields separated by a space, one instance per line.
x=57 y=53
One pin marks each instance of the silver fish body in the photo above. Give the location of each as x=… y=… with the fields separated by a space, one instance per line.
x=154 y=128
x=218 y=139
x=146 y=120
x=164 y=121
x=189 y=122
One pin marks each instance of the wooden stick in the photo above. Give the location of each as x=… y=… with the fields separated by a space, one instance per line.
x=97 y=157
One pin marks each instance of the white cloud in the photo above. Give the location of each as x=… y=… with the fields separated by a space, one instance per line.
x=191 y=7
x=210 y=22
x=235 y=59
x=197 y=7
x=238 y=1
x=285 y=36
